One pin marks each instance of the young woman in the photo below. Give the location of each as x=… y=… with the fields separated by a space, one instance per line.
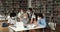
x=11 y=21
x=41 y=21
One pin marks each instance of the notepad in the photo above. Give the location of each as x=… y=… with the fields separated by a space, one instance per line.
x=19 y=25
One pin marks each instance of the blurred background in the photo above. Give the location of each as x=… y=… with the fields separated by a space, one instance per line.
x=51 y=9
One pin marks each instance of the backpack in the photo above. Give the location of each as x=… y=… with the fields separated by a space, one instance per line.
x=4 y=24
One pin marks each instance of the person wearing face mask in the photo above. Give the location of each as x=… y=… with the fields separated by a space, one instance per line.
x=30 y=12
x=21 y=12
x=11 y=22
x=25 y=18
x=41 y=21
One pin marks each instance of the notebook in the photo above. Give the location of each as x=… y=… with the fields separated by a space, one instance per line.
x=20 y=25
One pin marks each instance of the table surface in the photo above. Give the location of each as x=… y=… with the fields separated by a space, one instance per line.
x=23 y=29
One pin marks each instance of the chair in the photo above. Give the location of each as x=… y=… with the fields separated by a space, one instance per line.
x=52 y=26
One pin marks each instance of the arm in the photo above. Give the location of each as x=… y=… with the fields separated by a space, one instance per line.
x=31 y=20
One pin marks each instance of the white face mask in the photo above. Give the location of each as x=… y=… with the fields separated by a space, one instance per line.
x=38 y=18
x=21 y=12
x=13 y=18
x=24 y=16
x=8 y=17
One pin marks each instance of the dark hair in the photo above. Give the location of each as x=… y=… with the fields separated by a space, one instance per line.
x=34 y=19
x=41 y=15
x=30 y=9
x=13 y=14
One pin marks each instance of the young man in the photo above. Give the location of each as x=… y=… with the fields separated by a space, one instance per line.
x=30 y=12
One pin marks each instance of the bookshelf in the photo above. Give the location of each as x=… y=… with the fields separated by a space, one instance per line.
x=51 y=8
x=7 y=6
x=45 y=7
x=56 y=12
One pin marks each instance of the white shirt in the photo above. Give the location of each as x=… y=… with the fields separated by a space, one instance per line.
x=11 y=21
x=33 y=16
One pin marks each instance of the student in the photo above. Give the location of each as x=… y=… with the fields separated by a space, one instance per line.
x=21 y=12
x=30 y=12
x=25 y=18
x=11 y=22
x=41 y=21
